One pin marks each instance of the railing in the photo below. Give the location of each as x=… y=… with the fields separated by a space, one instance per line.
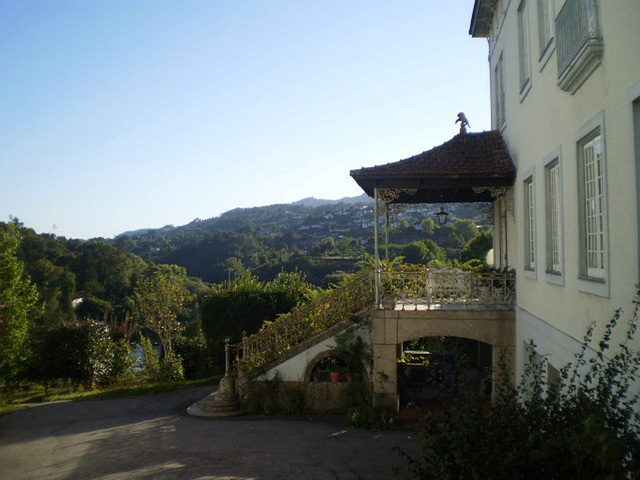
x=408 y=287
x=353 y=295
x=576 y=24
x=424 y=288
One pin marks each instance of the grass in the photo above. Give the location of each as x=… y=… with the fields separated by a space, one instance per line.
x=33 y=394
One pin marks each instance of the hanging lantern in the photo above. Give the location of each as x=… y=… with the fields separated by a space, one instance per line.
x=442 y=216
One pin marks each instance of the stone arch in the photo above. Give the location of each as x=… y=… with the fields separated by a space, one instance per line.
x=392 y=327
x=311 y=365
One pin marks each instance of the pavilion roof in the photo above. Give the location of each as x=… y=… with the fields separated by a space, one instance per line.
x=464 y=169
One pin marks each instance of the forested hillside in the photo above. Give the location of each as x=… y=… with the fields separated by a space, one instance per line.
x=72 y=310
x=318 y=239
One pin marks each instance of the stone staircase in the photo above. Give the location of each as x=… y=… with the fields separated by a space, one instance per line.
x=327 y=314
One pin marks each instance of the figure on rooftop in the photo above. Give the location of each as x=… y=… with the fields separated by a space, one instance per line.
x=464 y=123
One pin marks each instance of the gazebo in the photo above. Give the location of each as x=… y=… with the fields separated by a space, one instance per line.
x=471 y=167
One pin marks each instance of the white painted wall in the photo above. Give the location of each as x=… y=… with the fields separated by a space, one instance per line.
x=294 y=369
x=549 y=119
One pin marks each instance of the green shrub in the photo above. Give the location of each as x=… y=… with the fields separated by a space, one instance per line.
x=371 y=417
x=586 y=426
x=120 y=365
x=196 y=360
x=81 y=353
x=151 y=366
x=171 y=368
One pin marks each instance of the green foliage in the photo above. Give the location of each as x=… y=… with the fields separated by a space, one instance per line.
x=326 y=246
x=171 y=368
x=106 y=275
x=353 y=351
x=196 y=360
x=325 y=309
x=478 y=247
x=465 y=229
x=156 y=302
x=121 y=365
x=245 y=303
x=18 y=308
x=151 y=365
x=585 y=426
x=81 y=353
x=371 y=417
x=428 y=226
x=423 y=252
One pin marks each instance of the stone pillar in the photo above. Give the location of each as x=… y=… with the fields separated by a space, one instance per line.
x=385 y=380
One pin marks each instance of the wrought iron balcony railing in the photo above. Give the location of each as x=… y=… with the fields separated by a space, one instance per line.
x=408 y=286
x=579 y=42
x=446 y=289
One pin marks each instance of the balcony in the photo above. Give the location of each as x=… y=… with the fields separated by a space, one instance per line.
x=579 y=43
x=446 y=289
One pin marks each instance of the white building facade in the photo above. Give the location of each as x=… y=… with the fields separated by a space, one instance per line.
x=565 y=93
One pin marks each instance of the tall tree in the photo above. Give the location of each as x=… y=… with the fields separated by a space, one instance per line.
x=157 y=300
x=18 y=305
x=478 y=247
x=423 y=252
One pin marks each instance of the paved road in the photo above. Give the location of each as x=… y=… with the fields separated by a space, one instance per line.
x=151 y=438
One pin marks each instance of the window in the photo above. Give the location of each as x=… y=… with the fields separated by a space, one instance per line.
x=530 y=225
x=523 y=50
x=545 y=30
x=579 y=43
x=500 y=93
x=592 y=207
x=554 y=239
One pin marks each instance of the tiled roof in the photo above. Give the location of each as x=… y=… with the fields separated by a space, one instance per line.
x=451 y=172
x=472 y=154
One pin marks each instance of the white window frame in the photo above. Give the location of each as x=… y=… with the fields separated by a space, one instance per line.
x=592 y=208
x=524 y=49
x=530 y=231
x=546 y=31
x=554 y=218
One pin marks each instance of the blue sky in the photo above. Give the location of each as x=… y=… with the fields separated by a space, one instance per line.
x=117 y=115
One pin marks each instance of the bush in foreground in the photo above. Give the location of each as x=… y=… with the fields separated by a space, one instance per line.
x=586 y=426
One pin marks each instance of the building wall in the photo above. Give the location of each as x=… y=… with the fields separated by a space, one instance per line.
x=543 y=121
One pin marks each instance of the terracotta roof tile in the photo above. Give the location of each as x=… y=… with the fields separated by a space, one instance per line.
x=472 y=154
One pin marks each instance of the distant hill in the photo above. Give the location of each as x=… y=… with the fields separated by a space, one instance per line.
x=319 y=237
x=310 y=202
x=317 y=202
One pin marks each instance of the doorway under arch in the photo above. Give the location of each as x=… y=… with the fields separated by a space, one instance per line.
x=494 y=329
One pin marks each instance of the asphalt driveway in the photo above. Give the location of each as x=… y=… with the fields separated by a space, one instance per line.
x=150 y=437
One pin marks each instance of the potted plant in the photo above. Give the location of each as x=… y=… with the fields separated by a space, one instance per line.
x=353 y=352
x=331 y=364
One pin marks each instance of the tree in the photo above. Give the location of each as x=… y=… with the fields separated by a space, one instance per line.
x=478 y=247
x=244 y=303
x=106 y=275
x=428 y=226
x=18 y=305
x=81 y=353
x=326 y=246
x=423 y=252
x=157 y=299
x=465 y=229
